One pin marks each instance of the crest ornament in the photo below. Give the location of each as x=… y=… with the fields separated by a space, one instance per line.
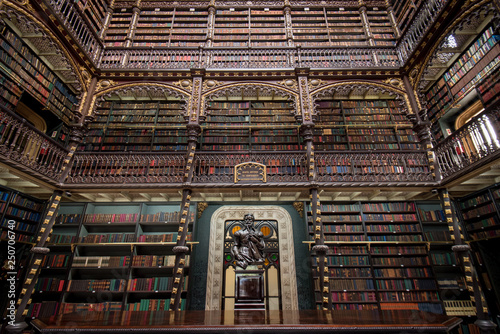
x=210 y=84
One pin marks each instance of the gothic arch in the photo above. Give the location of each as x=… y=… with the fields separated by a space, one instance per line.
x=32 y=23
x=249 y=88
x=140 y=88
x=215 y=270
x=345 y=86
x=481 y=7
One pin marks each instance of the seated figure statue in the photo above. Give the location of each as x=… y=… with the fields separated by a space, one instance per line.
x=248 y=244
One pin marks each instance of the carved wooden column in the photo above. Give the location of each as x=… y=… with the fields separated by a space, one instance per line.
x=34 y=267
x=366 y=25
x=210 y=24
x=320 y=250
x=107 y=20
x=133 y=24
x=394 y=24
x=465 y=258
x=288 y=24
x=181 y=249
x=422 y=126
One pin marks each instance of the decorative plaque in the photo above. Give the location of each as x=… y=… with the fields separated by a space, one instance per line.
x=250 y=172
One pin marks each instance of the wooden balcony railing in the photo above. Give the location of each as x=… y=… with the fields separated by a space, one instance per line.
x=241 y=58
x=23 y=145
x=474 y=144
x=374 y=167
x=71 y=18
x=422 y=22
x=281 y=167
x=285 y=168
x=120 y=168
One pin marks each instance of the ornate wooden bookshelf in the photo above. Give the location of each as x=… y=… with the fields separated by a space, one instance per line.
x=377 y=257
x=125 y=258
x=137 y=126
x=23 y=72
x=363 y=125
x=154 y=27
x=119 y=28
x=380 y=27
x=250 y=125
x=477 y=64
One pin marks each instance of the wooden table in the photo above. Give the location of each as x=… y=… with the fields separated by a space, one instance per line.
x=247 y=321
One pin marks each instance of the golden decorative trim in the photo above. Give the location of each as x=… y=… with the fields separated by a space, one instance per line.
x=396 y=82
x=299 y=206
x=289 y=83
x=368 y=83
x=201 y=208
x=185 y=84
x=246 y=84
x=209 y=84
x=103 y=84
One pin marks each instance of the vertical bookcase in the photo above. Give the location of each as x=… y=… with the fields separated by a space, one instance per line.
x=189 y=27
x=153 y=27
x=309 y=27
x=110 y=256
x=231 y=27
x=23 y=72
x=363 y=125
x=489 y=89
x=480 y=214
x=267 y=27
x=250 y=125
x=137 y=126
x=20 y=217
x=472 y=73
x=377 y=257
x=345 y=27
x=119 y=27
x=22 y=212
x=380 y=27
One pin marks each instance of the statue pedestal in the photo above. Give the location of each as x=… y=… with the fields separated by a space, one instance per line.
x=249 y=286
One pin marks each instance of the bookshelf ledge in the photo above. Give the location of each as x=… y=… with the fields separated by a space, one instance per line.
x=346 y=321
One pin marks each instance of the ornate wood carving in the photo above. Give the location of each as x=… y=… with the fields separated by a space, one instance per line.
x=216 y=250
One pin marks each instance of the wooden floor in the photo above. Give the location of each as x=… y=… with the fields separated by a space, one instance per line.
x=247 y=321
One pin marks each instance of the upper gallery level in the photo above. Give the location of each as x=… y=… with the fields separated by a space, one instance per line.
x=124 y=35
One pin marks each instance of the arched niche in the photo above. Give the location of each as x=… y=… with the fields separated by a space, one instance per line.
x=215 y=270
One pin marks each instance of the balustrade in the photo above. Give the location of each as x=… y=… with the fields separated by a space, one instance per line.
x=109 y=168
x=476 y=140
x=22 y=143
x=212 y=58
x=280 y=166
x=421 y=23
x=148 y=58
x=75 y=24
x=373 y=167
